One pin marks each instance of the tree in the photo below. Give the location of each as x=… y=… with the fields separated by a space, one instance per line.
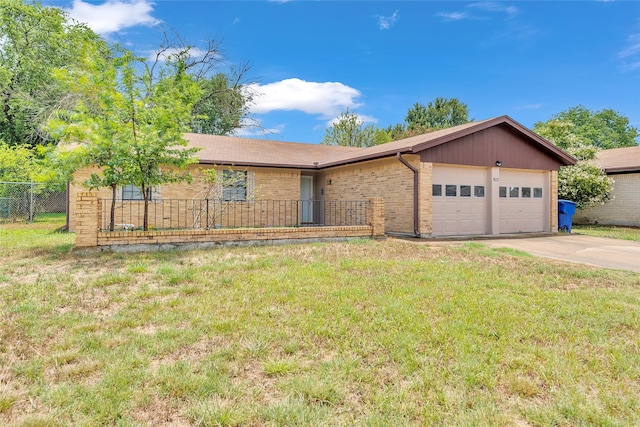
x=585 y=184
x=579 y=127
x=348 y=130
x=158 y=113
x=582 y=133
x=440 y=113
x=133 y=123
x=16 y=163
x=223 y=106
x=35 y=41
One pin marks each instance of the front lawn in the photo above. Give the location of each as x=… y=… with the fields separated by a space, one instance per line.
x=612 y=231
x=360 y=333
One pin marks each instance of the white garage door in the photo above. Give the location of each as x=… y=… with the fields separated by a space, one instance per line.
x=524 y=198
x=460 y=200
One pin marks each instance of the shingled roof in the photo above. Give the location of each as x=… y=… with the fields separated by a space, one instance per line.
x=258 y=152
x=619 y=160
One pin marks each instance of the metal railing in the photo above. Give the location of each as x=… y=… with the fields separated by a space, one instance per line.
x=22 y=201
x=166 y=214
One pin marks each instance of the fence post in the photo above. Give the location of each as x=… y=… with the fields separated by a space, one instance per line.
x=31 y=202
x=375 y=216
x=87 y=217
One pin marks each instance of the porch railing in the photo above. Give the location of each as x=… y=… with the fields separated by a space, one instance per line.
x=209 y=213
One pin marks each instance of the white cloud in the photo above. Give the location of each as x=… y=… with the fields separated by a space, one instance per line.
x=327 y=99
x=630 y=55
x=386 y=22
x=113 y=15
x=453 y=16
x=633 y=46
x=485 y=6
x=491 y=6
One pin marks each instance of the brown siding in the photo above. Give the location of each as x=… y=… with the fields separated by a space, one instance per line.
x=485 y=147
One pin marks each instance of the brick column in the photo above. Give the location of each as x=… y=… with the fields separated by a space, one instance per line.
x=87 y=218
x=375 y=216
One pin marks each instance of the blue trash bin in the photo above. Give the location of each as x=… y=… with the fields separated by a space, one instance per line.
x=566 y=209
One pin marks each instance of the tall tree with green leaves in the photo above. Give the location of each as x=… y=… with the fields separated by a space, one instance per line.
x=582 y=133
x=348 y=130
x=440 y=113
x=223 y=107
x=35 y=41
x=96 y=122
x=579 y=127
x=133 y=124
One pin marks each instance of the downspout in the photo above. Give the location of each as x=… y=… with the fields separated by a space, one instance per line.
x=416 y=193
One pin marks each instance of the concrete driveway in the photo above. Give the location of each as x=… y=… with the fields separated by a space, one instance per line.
x=598 y=251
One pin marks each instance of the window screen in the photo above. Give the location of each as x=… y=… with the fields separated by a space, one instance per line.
x=132 y=192
x=436 y=190
x=234 y=186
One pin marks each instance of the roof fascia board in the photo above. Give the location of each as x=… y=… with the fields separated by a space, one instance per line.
x=615 y=171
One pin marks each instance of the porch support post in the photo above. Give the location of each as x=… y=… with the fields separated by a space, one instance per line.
x=375 y=216
x=416 y=195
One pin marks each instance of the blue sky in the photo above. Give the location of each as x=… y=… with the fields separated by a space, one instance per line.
x=312 y=60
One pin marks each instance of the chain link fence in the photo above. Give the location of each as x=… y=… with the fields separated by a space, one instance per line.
x=23 y=201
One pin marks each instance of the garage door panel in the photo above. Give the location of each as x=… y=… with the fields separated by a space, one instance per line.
x=460 y=215
x=526 y=212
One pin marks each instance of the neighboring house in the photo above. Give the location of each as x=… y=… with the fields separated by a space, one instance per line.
x=623 y=165
x=489 y=177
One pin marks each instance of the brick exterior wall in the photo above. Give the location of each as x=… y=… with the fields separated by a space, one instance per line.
x=385 y=178
x=266 y=183
x=622 y=209
x=88 y=234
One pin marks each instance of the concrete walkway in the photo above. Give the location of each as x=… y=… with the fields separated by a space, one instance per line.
x=597 y=251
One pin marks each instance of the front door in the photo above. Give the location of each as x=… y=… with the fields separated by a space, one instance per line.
x=306 y=199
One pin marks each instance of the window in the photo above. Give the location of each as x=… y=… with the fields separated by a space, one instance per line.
x=451 y=190
x=133 y=192
x=526 y=192
x=478 y=191
x=537 y=192
x=503 y=191
x=465 y=191
x=514 y=191
x=234 y=186
x=436 y=190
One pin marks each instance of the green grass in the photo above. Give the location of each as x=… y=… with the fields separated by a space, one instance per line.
x=611 y=231
x=362 y=333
